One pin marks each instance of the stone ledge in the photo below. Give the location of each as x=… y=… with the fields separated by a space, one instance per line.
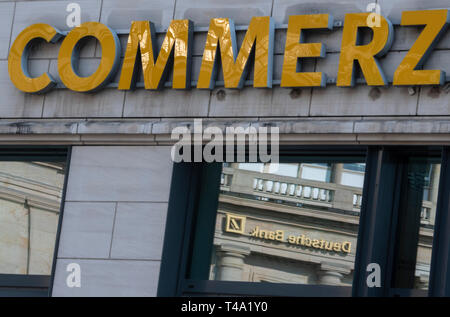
x=300 y=131
x=358 y=125
x=285 y=139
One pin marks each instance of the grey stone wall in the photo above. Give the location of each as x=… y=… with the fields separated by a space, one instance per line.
x=114 y=220
x=370 y=114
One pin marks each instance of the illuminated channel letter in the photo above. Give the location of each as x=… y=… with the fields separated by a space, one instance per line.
x=69 y=51
x=295 y=49
x=436 y=22
x=142 y=39
x=366 y=55
x=18 y=58
x=222 y=34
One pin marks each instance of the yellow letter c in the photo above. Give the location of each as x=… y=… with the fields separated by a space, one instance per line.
x=18 y=58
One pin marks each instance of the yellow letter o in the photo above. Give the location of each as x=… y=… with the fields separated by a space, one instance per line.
x=108 y=64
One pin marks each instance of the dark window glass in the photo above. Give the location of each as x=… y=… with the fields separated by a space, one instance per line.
x=419 y=180
x=287 y=223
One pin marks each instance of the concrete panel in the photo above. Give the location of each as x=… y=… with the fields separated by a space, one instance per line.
x=246 y=102
x=282 y=9
x=65 y=103
x=393 y=9
x=199 y=43
x=53 y=13
x=201 y=11
x=362 y=101
x=167 y=103
x=86 y=230
x=439 y=60
x=406 y=36
x=6 y=17
x=15 y=103
x=290 y=102
x=434 y=101
x=250 y=102
x=139 y=231
x=118 y=14
x=102 y=173
x=329 y=65
x=280 y=41
x=390 y=62
x=109 y=278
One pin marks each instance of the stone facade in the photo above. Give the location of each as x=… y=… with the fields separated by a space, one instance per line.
x=120 y=164
x=113 y=224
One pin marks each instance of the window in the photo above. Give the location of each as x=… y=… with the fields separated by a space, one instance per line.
x=313 y=226
x=31 y=192
x=419 y=180
x=276 y=226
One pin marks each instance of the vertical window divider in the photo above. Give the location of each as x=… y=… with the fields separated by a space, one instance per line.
x=440 y=269
x=60 y=220
x=375 y=222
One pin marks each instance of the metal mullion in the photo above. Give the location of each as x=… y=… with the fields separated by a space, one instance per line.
x=375 y=222
x=439 y=284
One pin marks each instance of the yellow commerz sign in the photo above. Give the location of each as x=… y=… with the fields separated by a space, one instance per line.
x=140 y=54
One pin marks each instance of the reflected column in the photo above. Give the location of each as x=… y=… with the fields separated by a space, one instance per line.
x=231 y=262
x=422 y=282
x=331 y=274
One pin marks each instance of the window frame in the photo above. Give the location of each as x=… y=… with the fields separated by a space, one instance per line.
x=18 y=285
x=377 y=219
x=380 y=220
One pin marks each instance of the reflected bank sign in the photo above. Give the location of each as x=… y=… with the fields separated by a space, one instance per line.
x=236 y=224
x=142 y=56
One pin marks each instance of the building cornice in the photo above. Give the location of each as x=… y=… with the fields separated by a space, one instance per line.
x=358 y=130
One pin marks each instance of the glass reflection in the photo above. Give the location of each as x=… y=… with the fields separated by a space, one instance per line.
x=30 y=198
x=417 y=211
x=288 y=223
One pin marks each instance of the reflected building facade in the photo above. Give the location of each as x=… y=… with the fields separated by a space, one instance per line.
x=298 y=223
x=30 y=200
